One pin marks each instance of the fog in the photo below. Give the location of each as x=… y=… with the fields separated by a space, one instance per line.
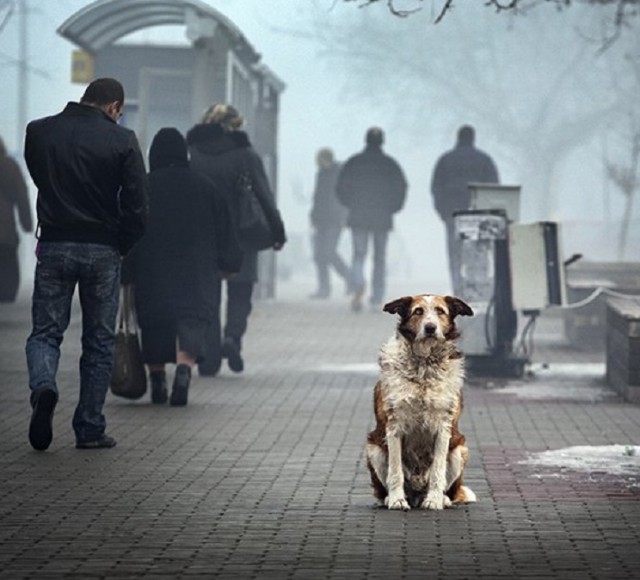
x=547 y=103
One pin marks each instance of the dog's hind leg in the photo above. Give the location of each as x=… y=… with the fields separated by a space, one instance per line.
x=378 y=467
x=456 y=461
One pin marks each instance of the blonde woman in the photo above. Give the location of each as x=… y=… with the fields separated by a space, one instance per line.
x=221 y=150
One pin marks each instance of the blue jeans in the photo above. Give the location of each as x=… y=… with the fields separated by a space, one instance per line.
x=360 y=238
x=95 y=269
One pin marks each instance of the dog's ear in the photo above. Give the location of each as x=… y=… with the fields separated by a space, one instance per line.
x=399 y=306
x=458 y=307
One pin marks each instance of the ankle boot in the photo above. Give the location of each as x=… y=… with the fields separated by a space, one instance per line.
x=159 y=394
x=180 y=391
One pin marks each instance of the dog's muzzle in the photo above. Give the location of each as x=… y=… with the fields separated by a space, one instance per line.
x=430 y=330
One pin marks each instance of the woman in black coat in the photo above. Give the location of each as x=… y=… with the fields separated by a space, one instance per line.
x=177 y=265
x=223 y=152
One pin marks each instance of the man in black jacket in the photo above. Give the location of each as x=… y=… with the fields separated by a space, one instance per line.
x=452 y=174
x=92 y=208
x=372 y=186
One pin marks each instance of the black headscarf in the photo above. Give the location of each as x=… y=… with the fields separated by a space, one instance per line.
x=168 y=149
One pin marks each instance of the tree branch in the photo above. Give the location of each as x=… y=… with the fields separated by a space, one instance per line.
x=445 y=8
x=390 y=5
x=500 y=5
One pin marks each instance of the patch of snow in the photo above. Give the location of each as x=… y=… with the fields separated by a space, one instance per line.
x=561 y=390
x=367 y=368
x=610 y=459
x=568 y=381
x=592 y=370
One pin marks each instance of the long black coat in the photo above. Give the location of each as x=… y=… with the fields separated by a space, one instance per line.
x=373 y=187
x=223 y=157
x=188 y=242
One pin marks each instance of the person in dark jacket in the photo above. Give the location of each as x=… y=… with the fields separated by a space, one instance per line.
x=328 y=217
x=223 y=152
x=176 y=267
x=372 y=186
x=13 y=196
x=452 y=174
x=92 y=208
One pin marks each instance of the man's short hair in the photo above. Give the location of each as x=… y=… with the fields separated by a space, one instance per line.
x=466 y=135
x=102 y=92
x=375 y=136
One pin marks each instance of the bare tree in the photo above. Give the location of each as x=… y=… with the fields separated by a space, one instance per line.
x=627 y=179
x=6 y=10
x=625 y=174
x=622 y=14
x=532 y=84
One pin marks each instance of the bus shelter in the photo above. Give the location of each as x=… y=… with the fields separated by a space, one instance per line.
x=173 y=84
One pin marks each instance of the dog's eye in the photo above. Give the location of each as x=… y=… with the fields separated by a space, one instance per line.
x=418 y=311
x=440 y=311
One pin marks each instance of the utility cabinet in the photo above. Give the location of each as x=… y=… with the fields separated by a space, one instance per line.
x=536 y=266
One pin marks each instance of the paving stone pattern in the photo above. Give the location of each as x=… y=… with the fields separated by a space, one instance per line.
x=261 y=475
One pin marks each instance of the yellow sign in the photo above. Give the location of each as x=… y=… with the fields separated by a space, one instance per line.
x=81 y=67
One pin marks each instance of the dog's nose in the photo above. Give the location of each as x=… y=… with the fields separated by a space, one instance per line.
x=429 y=329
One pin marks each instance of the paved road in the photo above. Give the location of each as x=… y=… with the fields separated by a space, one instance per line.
x=261 y=475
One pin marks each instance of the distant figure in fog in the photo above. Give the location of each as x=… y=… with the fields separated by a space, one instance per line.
x=223 y=152
x=92 y=209
x=177 y=266
x=372 y=186
x=452 y=174
x=13 y=196
x=328 y=218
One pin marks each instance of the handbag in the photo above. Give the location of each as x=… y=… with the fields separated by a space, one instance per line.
x=254 y=231
x=128 y=378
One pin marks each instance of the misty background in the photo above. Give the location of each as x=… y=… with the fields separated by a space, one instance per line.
x=552 y=103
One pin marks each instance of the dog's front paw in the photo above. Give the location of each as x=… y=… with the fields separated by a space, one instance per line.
x=397 y=503
x=435 y=501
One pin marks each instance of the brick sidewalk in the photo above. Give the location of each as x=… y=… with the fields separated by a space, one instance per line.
x=261 y=475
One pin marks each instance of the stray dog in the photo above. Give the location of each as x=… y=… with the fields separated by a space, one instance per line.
x=416 y=455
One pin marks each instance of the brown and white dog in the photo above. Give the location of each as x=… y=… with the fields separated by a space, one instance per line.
x=416 y=455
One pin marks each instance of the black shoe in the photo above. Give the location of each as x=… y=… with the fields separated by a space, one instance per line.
x=180 y=390
x=41 y=425
x=159 y=395
x=103 y=442
x=231 y=351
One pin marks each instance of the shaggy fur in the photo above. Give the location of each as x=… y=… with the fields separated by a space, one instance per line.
x=415 y=454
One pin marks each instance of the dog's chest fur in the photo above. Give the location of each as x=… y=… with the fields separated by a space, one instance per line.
x=420 y=386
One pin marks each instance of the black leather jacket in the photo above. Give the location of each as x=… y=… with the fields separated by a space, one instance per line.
x=90 y=175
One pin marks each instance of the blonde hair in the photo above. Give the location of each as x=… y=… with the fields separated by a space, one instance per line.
x=227 y=116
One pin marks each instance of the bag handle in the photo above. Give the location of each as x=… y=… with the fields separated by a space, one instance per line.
x=126 y=319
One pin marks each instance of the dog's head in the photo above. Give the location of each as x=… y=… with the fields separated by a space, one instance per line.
x=428 y=316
